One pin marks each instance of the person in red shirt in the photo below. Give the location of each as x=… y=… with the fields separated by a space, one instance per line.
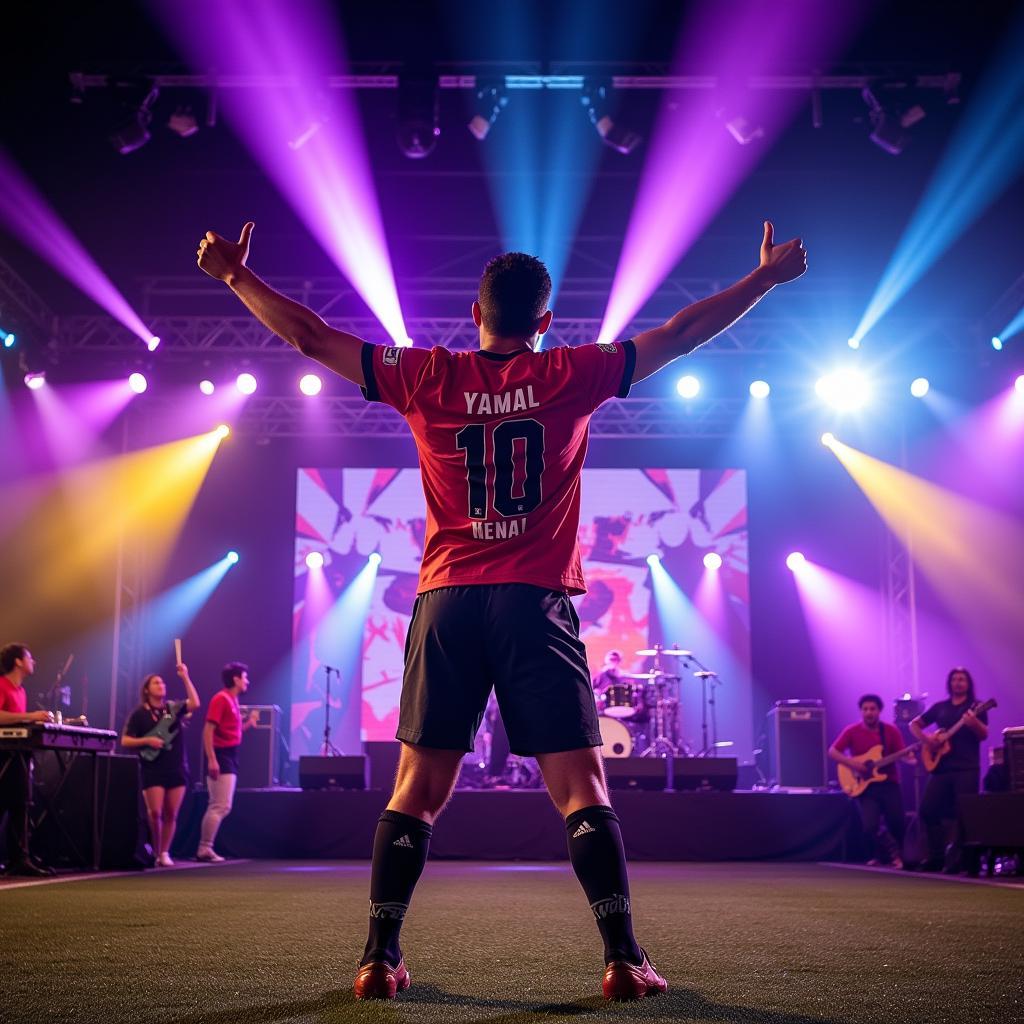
x=222 y=737
x=881 y=800
x=16 y=665
x=501 y=434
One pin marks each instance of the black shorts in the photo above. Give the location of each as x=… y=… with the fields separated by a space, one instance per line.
x=519 y=639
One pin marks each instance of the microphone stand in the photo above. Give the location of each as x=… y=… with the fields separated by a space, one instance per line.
x=328 y=749
x=704 y=674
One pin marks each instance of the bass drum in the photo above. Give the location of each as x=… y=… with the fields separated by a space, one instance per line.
x=617 y=739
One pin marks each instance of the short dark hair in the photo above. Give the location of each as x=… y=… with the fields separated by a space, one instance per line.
x=230 y=670
x=970 y=681
x=9 y=654
x=871 y=696
x=514 y=293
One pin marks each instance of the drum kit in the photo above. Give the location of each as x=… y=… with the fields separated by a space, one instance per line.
x=639 y=712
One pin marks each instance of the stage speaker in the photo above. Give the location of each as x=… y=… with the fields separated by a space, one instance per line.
x=346 y=771
x=63 y=838
x=1013 y=757
x=636 y=772
x=382 y=758
x=704 y=773
x=798 y=743
x=257 y=757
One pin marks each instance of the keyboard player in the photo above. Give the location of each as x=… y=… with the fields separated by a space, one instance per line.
x=16 y=665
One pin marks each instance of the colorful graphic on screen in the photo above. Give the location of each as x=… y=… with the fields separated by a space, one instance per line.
x=352 y=613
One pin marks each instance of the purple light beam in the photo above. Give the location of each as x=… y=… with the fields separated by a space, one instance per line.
x=693 y=164
x=29 y=217
x=288 y=52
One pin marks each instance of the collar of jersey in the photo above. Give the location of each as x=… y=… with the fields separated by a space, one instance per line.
x=501 y=357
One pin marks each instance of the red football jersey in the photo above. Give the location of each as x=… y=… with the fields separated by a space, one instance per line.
x=501 y=441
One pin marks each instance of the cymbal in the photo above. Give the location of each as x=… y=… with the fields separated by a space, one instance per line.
x=655 y=675
x=673 y=652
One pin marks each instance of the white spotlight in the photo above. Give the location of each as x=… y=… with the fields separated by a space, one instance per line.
x=919 y=387
x=374 y=558
x=843 y=389
x=688 y=386
x=310 y=384
x=207 y=387
x=315 y=560
x=246 y=383
x=712 y=560
x=854 y=343
x=153 y=344
x=828 y=439
x=34 y=381
x=760 y=389
x=654 y=559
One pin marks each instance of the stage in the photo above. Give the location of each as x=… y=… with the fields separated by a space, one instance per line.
x=523 y=825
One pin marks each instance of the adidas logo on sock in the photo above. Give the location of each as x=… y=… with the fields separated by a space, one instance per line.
x=404 y=841
x=583 y=830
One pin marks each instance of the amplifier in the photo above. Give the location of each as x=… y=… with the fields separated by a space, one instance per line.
x=346 y=771
x=257 y=757
x=704 y=773
x=636 y=772
x=798 y=745
x=1013 y=756
x=382 y=757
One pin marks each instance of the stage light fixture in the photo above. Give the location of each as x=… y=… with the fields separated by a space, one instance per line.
x=310 y=384
x=743 y=130
x=315 y=560
x=132 y=132
x=34 y=381
x=9 y=340
x=828 y=439
x=183 y=122
x=138 y=383
x=843 y=389
x=246 y=383
x=712 y=560
x=222 y=431
x=919 y=387
x=760 y=389
x=889 y=126
x=491 y=99
x=997 y=343
x=153 y=344
x=418 y=115
x=596 y=100
x=1018 y=385
x=232 y=557
x=654 y=559
x=794 y=560
x=207 y=387
x=688 y=386
x=374 y=558
x=854 y=343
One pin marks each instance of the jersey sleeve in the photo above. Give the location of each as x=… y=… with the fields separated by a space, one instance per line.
x=392 y=375
x=930 y=716
x=215 y=712
x=842 y=742
x=136 y=725
x=603 y=371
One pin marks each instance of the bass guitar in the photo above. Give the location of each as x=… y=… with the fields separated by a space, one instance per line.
x=932 y=756
x=853 y=784
x=166 y=729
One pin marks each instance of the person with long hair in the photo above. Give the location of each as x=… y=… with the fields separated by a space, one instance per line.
x=164 y=778
x=958 y=772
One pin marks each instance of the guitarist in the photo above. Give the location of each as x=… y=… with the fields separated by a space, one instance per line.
x=881 y=800
x=165 y=778
x=958 y=771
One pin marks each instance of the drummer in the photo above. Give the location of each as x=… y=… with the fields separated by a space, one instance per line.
x=611 y=672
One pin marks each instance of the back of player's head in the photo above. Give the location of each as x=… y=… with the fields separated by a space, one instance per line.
x=514 y=294
x=9 y=654
x=231 y=671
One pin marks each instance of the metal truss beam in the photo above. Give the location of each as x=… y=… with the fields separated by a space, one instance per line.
x=19 y=297
x=630 y=418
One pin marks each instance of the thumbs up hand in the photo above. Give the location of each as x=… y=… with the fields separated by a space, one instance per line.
x=221 y=258
x=783 y=262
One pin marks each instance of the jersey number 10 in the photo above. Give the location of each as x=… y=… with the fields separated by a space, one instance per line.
x=473 y=441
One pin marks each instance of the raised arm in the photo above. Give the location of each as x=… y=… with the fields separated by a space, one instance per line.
x=701 y=321
x=289 y=320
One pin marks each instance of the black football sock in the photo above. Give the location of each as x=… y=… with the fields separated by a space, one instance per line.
x=599 y=860
x=399 y=854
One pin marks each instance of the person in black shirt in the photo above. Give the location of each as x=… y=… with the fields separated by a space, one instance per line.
x=165 y=778
x=959 y=771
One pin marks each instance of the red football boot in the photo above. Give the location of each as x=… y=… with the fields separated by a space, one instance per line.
x=379 y=980
x=623 y=980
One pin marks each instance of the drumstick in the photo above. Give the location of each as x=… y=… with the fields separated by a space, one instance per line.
x=177 y=651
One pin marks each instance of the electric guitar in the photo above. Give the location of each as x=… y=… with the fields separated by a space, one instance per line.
x=853 y=784
x=932 y=757
x=166 y=729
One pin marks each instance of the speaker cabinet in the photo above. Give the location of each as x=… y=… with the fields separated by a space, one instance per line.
x=382 y=758
x=704 y=773
x=798 y=744
x=257 y=757
x=1013 y=757
x=636 y=772
x=347 y=771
